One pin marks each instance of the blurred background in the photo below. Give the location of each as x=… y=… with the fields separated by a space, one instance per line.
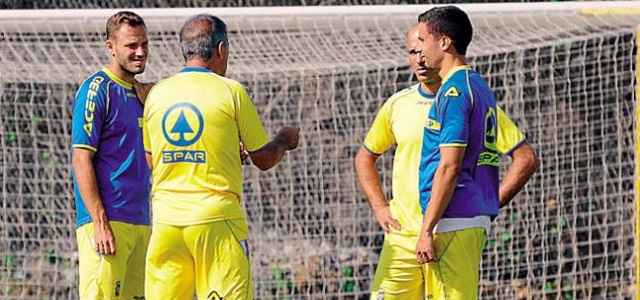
x=567 y=75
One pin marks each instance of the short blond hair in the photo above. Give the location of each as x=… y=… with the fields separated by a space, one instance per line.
x=123 y=17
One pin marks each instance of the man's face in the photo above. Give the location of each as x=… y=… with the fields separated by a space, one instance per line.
x=129 y=48
x=415 y=49
x=431 y=52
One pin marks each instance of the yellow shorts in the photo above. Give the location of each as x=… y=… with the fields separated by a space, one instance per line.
x=453 y=276
x=119 y=276
x=211 y=259
x=398 y=274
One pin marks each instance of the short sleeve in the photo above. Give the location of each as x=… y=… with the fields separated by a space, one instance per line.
x=509 y=136
x=454 y=110
x=252 y=133
x=89 y=113
x=380 y=137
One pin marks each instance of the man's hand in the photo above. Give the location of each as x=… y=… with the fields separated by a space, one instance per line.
x=142 y=89
x=244 y=155
x=426 y=248
x=386 y=220
x=271 y=154
x=289 y=136
x=103 y=239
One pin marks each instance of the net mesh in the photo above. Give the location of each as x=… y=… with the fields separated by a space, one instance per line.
x=73 y=4
x=568 y=80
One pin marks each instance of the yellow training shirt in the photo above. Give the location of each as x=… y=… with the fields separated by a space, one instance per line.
x=401 y=121
x=194 y=122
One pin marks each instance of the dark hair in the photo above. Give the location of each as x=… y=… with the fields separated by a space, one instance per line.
x=452 y=22
x=200 y=36
x=123 y=17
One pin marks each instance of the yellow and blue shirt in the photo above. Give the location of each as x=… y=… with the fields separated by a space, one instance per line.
x=107 y=119
x=194 y=122
x=464 y=115
x=400 y=122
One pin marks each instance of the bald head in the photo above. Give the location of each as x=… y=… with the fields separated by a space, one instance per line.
x=412 y=35
x=426 y=76
x=200 y=36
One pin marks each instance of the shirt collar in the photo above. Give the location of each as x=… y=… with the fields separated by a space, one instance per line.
x=453 y=70
x=424 y=93
x=195 y=69
x=117 y=79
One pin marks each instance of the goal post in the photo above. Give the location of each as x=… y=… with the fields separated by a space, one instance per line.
x=566 y=73
x=637 y=174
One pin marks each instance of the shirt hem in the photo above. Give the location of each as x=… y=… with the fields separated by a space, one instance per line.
x=134 y=222
x=371 y=151
x=83 y=146
x=455 y=224
x=196 y=222
x=516 y=146
x=462 y=145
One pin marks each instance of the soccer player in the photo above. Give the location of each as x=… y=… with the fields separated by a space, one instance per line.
x=400 y=121
x=194 y=123
x=111 y=177
x=459 y=168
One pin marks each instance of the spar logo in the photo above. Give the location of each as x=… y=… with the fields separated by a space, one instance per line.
x=182 y=126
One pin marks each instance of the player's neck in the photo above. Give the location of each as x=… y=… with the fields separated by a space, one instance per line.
x=431 y=87
x=121 y=73
x=196 y=64
x=449 y=62
x=204 y=64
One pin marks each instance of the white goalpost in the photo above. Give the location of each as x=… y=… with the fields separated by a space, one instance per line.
x=566 y=73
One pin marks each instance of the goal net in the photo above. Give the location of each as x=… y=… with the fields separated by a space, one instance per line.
x=567 y=76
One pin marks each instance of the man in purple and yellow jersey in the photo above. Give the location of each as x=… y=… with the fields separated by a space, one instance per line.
x=400 y=121
x=109 y=169
x=194 y=123
x=459 y=165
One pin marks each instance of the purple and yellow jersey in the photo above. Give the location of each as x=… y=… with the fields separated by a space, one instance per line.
x=400 y=122
x=194 y=122
x=463 y=115
x=107 y=119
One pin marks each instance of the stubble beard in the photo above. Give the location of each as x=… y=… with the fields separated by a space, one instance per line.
x=128 y=67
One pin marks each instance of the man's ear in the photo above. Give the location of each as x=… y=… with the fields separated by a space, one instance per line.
x=110 y=47
x=221 y=50
x=445 y=43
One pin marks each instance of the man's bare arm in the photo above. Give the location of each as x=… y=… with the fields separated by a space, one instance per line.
x=444 y=182
x=142 y=89
x=270 y=155
x=104 y=241
x=525 y=163
x=369 y=180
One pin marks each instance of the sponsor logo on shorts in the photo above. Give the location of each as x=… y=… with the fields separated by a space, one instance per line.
x=213 y=295
x=117 y=288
